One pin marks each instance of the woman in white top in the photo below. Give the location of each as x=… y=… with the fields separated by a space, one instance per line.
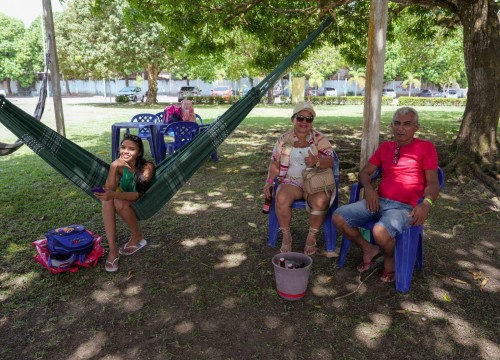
x=297 y=149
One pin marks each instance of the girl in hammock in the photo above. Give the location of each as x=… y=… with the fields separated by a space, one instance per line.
x=128 y=179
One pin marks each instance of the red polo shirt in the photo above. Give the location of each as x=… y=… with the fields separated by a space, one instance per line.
x=405 y=181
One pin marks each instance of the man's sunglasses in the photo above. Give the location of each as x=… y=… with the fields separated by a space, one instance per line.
x=301 y=118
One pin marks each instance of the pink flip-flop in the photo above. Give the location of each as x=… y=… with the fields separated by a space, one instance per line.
x=366 y=266
x=387 y=276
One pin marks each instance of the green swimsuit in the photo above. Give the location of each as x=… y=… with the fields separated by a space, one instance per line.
x=127 y=181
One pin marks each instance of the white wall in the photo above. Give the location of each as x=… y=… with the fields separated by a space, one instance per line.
x=111 y=87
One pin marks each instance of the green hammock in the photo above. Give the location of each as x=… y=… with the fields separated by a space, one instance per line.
x=87 y=171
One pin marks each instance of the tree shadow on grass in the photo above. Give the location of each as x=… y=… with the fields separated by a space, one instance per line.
x=204 y=286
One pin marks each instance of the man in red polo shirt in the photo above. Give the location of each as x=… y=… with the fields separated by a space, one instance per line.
x=409 y=171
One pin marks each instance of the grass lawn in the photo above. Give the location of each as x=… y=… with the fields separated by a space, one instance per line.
x=204 y=286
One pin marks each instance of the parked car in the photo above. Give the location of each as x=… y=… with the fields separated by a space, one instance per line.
x=245 y=91
x=389 y=92
x=329 y=91
x=185 y=91
x=223 y=91
x=425 y=93
x=311 y=92
x=429 y=93
x=134 y=93
x=451 y=93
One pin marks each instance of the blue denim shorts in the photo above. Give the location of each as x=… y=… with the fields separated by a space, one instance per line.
x=392 y=215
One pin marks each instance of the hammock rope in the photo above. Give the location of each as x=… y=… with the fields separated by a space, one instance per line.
x=87 y=171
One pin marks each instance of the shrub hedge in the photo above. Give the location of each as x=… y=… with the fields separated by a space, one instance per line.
x=338 y=100
x=426 y=101
x=122 y=99
x=329 y=100
x=215 y=100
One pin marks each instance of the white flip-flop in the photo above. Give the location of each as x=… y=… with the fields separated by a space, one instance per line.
x=135 y=248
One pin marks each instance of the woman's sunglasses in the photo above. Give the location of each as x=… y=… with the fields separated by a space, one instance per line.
x=301 y=118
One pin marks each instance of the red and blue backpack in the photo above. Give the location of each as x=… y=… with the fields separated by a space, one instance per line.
x=68 y=244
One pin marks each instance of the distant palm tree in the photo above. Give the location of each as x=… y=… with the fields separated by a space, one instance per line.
x=358 y=77
x=411 y=79
x=316 y=80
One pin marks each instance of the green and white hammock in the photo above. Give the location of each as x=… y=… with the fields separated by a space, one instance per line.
x=86 y=170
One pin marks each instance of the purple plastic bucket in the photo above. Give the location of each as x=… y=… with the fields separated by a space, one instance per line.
x=291 y=284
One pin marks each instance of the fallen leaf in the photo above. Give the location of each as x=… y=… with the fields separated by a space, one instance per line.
x=253 y=225
x=477 y=275
x=408 y=311
x=446 y=297
x=318 y=306
x=458 y=280
x=130 y=275
x=483 y=283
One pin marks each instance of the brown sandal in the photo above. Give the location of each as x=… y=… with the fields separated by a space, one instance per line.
x=310 y=249
x=286 y=246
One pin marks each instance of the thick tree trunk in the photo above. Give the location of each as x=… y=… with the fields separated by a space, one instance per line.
x=152 y=72
x=477 y=138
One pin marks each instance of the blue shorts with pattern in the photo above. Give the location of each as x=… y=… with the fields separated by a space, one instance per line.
x=392 y=215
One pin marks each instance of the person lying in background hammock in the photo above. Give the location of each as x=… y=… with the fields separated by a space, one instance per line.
x=128 y=179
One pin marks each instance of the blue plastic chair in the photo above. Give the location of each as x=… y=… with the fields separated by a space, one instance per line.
x=183 y=132
x=144 y=133
x=215 y=155
x=329 y=230
x=408 y=249
x=160 y=117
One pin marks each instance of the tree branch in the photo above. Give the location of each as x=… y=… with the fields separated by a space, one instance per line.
x=448 y=4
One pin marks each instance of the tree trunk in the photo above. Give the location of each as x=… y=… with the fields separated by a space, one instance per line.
x=152 y=72
x=9 y=88
x=68 y=92
x=377 y=31
x=477 y=138
x=270 y=96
